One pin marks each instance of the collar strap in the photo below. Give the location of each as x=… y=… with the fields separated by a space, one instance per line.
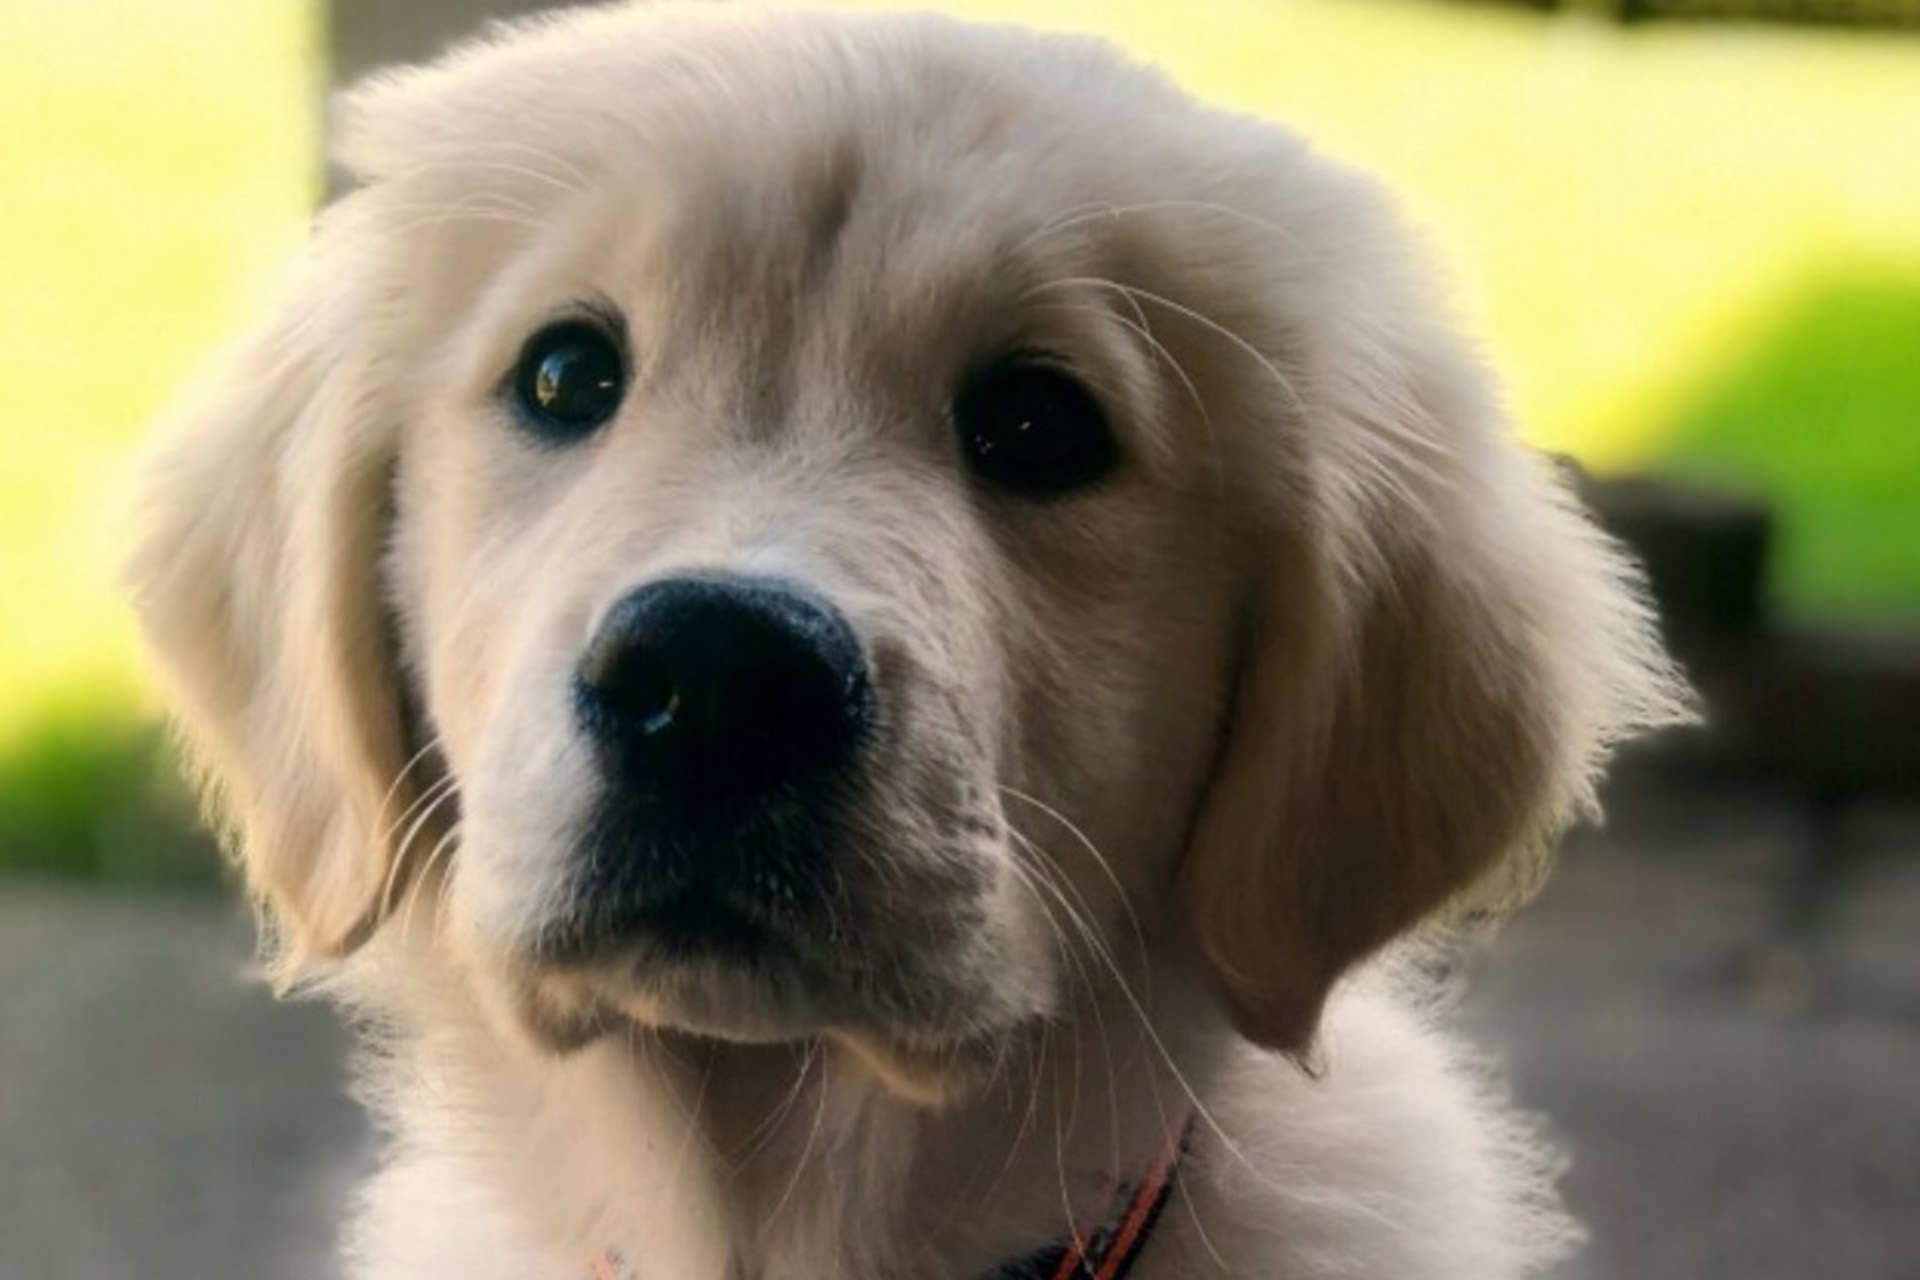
x=1107 y=1253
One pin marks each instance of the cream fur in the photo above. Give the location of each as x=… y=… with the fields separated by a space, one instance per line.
x=1175 y=769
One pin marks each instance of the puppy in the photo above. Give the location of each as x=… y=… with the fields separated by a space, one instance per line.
x=861 y=644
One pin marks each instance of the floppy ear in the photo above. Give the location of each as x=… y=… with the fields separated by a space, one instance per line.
x=256 y=585
x=1429 y=680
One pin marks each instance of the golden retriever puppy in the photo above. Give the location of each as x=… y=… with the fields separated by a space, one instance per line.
x=851 y=638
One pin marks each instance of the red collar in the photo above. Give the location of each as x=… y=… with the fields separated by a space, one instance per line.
x=1107 y=1253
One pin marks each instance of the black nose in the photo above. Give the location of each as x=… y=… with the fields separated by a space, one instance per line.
x=709 y=694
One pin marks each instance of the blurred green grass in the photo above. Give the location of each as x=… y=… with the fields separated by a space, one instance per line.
x=1821 y=414
x=1639 y=223
x=90 y=791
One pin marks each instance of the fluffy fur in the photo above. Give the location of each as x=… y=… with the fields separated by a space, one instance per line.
x=1168 y=766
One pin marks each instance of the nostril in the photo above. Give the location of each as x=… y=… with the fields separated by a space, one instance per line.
x=633 y=684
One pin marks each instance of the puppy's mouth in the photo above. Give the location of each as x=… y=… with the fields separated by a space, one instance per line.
x=691 y=961
x=759 y=960
x=699 y=965
x=651 y=899
x=730 y=932
x=693 y=924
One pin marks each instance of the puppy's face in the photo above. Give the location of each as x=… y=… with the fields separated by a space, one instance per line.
x=802 y=556
x=792 y=525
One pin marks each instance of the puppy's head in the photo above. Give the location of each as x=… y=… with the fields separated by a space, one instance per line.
x=783 y=525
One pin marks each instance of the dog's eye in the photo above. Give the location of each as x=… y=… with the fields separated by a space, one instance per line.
x=569 y=379
x=1031 y=428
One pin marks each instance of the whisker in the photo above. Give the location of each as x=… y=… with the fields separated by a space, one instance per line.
x=1071 y=216
x=429 y=795
x=1081 y=214
x=1092 y=850
x=1204 y=321
x=442 y=847
x=577 y=176
x=1139 y=327
x=1204 y=1114
x=469 y=212
x=763 y=1133
x=436 y=795
x=1028 y=877
x=1029 y=1117
x=1102 y=1033
x=393 y=788
x=690 y=1112
x=806 y=1152
x=478 y=162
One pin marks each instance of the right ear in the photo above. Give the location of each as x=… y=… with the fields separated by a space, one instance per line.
x=1426 y=691
x=256 y=582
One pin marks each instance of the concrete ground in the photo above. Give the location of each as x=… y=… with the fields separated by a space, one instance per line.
x=1738 y=1082
x=1740 y=1086
x=160 y=1117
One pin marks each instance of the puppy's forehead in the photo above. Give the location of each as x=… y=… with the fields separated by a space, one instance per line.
x=897 y=194
x=841 y=244
x=738 y=81
x=753 y=145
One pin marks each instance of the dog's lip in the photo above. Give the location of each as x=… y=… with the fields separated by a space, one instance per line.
x=693 y=923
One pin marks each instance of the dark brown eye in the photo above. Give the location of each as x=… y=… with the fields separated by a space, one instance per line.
x=1030 y=427
x=568 y=381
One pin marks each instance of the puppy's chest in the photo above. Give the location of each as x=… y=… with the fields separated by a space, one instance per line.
x=1110 y=1236
x=1109 y=1229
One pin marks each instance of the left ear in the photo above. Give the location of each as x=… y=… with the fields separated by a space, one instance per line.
x=257 y=590
x=1429 y=681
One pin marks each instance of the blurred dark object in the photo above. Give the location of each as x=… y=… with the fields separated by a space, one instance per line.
x=1852 y=13
x=1839 y=709
x=1827 y=715
x=1832 y=710
x=1858 y=13
x=366 y=35
x=1705 y=552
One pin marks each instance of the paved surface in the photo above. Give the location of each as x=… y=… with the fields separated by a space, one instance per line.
x=1742 y=1093
x=160 y=1117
